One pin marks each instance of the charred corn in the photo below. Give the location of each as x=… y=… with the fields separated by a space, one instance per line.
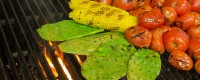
x=103 y=16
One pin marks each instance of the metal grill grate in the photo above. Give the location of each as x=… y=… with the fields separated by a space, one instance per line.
x=22 y=49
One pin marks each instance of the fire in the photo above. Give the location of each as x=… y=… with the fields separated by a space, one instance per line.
x=59 y=58
x=65 y=69
x=50 y=64
x=79 y=60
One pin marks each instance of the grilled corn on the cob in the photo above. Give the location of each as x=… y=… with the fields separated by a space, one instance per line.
x=100 y=15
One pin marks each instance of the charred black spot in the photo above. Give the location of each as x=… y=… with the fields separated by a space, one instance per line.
x=138 y=35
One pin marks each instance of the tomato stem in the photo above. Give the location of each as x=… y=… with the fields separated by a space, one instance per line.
x=175 y=44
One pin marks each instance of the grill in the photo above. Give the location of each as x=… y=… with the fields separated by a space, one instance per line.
x=25 y=56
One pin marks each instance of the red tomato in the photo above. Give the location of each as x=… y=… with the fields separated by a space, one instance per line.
x=195 y=5
x=175 y=38
x=125 y=4
x=180 y=60
x=142 y=3
x=108 y=2
x=151 y=19
x=138 y=36
x=197 y=66
x=194 y=32
x=136 y=11
x=197 y=18
x=180 y=6
x=157 y=40
x=185 y=21
x=169 y=14
x=194 y=48
x=157 y=3
x=165 y=28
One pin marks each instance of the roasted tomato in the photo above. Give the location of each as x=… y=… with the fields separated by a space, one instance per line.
x=180 y=6
x=195 y=5
x=197 y=66
x=197 y=18
x=125 y=4
x=142 y=3
x=139 y=36
x=194 y=32
x=194 y=48
x=175 y=38
x=169 y=14
x=185 y=21
x=165 y=28
x=157 y=40
x=157 y=3
x=151 y=19
x=139 y=10
x=180 y=60
x=108 y=2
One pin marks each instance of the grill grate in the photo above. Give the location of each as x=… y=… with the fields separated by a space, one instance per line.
x=22 y=50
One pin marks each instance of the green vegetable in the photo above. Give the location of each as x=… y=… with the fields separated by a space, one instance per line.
x=88 y=44
x=144 y=65
x=109 y=62
x=65 y=30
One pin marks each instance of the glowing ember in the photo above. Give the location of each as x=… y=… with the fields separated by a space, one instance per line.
x=65 y=69
x=79 y=60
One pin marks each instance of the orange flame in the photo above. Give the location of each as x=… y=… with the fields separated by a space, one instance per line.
x=64 y=69
x=78 y=59
x=59 y=58
x=50 y=64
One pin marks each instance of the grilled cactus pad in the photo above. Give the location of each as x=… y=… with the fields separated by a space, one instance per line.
x=145 y=64
x=109 y=62
x=65 y=30
x=88 y=44
x=100 y=15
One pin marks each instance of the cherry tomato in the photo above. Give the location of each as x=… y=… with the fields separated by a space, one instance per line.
x=185 y=21
x=165 y=28
x=169 y=14
x=137 y=11
x=194 y=32
x=197 y=66
x=142 y=3
x=138 y=36
x=175 y=38
x=108 y=2
x=180 y=6
x=180 y=60
x=157 y=40
x=157 y=3
x=124 y=4
x=194 y=48
x=151 y=19
x=197 y=18
x=195 y=5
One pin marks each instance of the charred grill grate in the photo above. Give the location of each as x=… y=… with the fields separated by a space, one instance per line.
x=22 y=50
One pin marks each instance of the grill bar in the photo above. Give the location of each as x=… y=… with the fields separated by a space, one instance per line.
x=28 y=74
x=9 y=56
x=3 y=74
x=23 y=52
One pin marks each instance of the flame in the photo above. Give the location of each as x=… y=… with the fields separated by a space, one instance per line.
x=64 y=69
x=59 y=58
x=50 y=43
x=50 y=64
x=78 y=59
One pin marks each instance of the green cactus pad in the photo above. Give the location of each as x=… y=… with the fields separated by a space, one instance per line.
x=145 y=64
x=88 y=44
x=109 y=62
x=65 y=30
